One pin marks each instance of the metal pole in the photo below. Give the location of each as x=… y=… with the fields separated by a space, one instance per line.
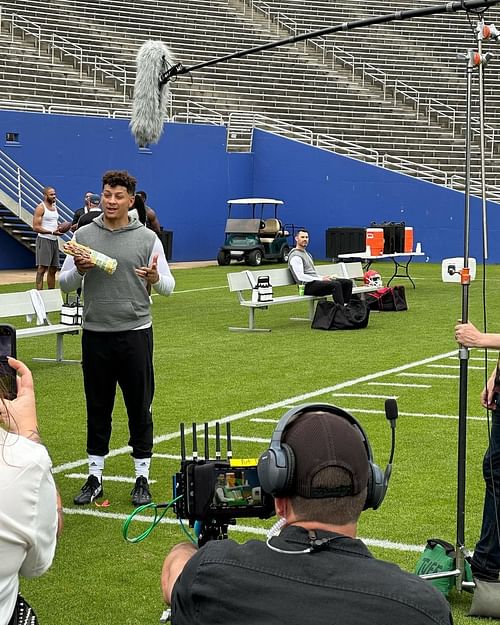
x=463 y=352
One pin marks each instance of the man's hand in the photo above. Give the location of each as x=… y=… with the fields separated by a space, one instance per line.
x=83 y=262
x=488 y=392
x=150 y=274
x=173 y=566
x=327 y=278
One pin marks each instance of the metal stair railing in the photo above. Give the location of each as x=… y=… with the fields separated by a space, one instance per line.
x=55 y=42
x=244 y=123
x=25 y=191
x=366 y=70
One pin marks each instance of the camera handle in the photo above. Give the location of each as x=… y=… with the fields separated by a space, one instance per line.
x=213 y=529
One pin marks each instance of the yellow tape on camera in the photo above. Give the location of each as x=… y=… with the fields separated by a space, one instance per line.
x=243 y=462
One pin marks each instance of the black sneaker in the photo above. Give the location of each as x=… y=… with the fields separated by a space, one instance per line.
x=92 y=489
x=140 y=493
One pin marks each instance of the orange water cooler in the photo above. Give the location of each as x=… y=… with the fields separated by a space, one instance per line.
x=375 y=240
x=408 y=239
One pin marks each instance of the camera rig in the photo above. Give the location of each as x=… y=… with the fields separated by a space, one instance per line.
x=212 y=493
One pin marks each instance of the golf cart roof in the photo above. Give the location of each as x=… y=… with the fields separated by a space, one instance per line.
x=255 y=200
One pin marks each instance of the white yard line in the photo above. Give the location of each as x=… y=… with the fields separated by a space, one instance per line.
x=260 y=531
x=297 y=400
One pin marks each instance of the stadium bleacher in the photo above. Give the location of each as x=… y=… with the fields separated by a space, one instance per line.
x=396 y=89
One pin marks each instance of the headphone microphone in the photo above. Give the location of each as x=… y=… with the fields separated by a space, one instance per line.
x=391 y=414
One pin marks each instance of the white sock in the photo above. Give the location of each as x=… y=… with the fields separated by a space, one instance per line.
x=96 y=466
x=142 y=467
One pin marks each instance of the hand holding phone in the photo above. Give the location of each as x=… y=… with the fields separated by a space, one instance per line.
x=19 y=414
x=8 y=376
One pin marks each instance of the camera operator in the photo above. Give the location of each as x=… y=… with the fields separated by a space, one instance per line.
x=315 y=570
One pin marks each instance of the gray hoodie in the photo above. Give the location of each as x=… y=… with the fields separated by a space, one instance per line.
x=117 y=302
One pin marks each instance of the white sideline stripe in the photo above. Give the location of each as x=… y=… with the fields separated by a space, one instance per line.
x=365 y=395
x=261 y=531
x=455 y=367
x=430 y=375
x=359 y=411
x=167 y=456
x=204 y=288
x=414 y=414
x=267 y=408
x=107 y=478
x=248 y=439
x=400 y=384
x=482 y=359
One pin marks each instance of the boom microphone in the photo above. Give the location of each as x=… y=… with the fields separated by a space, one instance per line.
x=150 y=97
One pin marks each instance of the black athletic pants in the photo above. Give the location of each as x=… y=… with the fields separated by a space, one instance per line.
x=126 y=359
x=339 y=288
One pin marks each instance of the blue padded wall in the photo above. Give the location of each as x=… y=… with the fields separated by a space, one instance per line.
x=323 y=190
x=189 y=177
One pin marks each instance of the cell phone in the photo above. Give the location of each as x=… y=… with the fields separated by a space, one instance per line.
x=8 y=376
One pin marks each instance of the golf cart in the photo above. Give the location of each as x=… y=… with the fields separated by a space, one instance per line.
x=256 y=237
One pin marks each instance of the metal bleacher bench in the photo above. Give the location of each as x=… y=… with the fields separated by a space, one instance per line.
x=20 y=304
x=242 y=284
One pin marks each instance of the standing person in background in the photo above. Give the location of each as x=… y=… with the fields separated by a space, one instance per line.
x=152 y=221
x=94 y=203
x=485 y=561
x=45 y=223
x=138 y=209
x=81 y=211
x=302 y=268
x=117 y=337
x=30 y=507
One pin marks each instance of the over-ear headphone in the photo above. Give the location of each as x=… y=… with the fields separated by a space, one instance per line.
x=276 y=467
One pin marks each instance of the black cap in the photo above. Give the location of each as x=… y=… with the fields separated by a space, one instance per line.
x=321 y=440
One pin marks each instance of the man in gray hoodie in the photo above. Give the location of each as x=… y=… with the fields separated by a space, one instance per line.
x=117 y=338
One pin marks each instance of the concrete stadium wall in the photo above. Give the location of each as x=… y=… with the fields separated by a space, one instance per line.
x=189 y=177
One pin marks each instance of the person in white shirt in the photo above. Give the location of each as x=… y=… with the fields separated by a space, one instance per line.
x=30 y=506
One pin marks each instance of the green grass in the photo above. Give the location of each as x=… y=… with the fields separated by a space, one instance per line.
x=205 y=373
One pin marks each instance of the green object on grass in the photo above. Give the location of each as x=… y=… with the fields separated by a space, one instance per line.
x=439 y=556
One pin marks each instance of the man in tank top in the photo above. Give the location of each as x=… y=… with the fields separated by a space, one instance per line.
x=45 y=223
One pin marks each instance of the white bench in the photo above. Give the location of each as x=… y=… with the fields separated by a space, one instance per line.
x=20 y=304
x=242 y=283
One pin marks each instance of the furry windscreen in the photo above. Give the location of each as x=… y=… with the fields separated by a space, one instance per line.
x=150 y=101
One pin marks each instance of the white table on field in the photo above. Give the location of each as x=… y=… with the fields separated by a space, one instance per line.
x=401 y=262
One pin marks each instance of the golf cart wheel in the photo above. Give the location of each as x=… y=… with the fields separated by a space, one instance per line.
x=255 y=258
x=285 y=252
x=223 y=258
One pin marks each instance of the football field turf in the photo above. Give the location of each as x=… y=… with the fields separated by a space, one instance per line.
x=204 y=373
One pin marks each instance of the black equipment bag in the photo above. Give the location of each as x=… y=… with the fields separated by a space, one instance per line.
x=387 y=298
x=394 y=236
x=332 y=316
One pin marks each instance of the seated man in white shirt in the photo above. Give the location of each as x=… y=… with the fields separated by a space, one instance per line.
x=301 y=265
